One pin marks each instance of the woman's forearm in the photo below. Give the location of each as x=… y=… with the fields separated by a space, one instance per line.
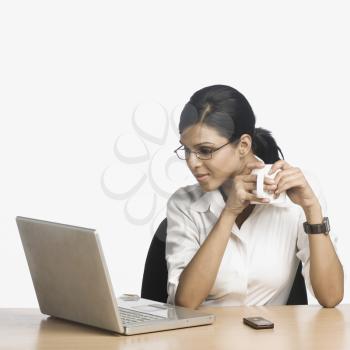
x=326 y=271
x=199 y=275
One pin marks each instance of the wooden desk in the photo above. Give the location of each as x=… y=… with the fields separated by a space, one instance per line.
x=296 y=327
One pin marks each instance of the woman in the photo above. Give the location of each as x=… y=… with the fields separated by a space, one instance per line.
x=222 y=250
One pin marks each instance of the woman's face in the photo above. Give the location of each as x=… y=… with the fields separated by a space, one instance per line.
x=225 y=163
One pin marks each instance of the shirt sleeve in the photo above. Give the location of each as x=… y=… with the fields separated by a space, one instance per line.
x=303 y=250
x=182 y=241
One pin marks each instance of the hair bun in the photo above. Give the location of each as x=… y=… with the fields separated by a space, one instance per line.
x=265 y=146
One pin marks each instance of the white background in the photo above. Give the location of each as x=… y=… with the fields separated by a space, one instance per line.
x=74 y=74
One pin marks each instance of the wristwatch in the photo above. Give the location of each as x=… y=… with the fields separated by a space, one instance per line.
x=317 y=228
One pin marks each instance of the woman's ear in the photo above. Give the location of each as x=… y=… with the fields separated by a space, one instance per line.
x=245 y=145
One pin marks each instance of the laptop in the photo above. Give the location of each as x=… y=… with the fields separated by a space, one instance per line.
x=71 y=282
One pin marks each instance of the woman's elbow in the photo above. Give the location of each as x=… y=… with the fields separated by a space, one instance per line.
x=186 y=302
x=331 y=301
x=329 y=294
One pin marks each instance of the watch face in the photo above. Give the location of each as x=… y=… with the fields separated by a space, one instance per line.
x=327 y=226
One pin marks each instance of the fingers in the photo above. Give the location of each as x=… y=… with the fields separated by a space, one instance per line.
x=285 y=173
x=253 y=177
x=289 y=182
x=244 y=193
x=280 y=164
x=253 y=198
x=250 y=186
x=241 y=194
x=288 y=178
x=253 y=165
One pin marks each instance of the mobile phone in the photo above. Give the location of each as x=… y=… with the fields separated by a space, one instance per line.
x=258 y=322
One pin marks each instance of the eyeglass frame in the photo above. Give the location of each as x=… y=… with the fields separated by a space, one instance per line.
x=196 y=152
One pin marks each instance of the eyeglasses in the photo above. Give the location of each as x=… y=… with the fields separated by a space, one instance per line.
x=204 y=153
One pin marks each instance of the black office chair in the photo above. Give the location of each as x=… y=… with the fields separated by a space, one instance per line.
x=155 y=275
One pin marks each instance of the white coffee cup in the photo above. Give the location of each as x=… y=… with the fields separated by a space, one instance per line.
x=260 y=193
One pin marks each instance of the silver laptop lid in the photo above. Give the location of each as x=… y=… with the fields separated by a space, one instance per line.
x=69 y=272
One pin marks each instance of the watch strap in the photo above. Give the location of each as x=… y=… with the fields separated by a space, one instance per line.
x=317 y=228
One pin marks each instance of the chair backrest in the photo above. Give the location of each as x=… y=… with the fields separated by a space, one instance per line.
x=298 y=294
x=155 y=274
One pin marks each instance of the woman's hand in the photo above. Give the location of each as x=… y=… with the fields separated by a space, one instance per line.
x=292 y=180
x=241 y=187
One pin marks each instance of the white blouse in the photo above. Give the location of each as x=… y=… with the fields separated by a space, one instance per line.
x=261 y=258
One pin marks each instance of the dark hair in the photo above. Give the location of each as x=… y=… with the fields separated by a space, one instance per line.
x=227 y=111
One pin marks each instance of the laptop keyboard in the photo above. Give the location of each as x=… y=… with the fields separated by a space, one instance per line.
x=129 y=316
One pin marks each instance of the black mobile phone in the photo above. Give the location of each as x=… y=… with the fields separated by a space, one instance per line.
x=258 y=322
